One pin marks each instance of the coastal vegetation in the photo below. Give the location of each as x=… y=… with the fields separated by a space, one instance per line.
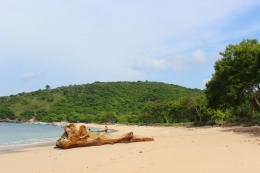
x=124 y=102
x=235 y=86
x=231 y=96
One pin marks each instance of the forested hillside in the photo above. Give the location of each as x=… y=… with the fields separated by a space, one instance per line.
x=89 y=101
x=232 y=95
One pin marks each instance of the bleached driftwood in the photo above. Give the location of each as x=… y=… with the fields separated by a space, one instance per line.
x=75 y=136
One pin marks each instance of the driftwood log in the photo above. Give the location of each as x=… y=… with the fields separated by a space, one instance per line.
x=78 y=136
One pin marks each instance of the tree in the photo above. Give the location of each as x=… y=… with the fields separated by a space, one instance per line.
x=6 y=113
x=40 y=114
x=155 y=112
x=198 y=104
x=47 y=87
x=181 y=109
x=106 y=117
x=28 y=114
x=236 y=81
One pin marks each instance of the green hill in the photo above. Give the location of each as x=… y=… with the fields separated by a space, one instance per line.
x=117 y=97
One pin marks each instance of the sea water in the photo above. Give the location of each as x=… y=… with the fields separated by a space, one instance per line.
x=22 y=134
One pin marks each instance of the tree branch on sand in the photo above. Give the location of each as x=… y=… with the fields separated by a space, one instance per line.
x=75 y=136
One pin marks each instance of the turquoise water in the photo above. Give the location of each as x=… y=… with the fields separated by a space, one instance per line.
x=21 y=134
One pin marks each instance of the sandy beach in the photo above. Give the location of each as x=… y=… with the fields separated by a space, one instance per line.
x=175 y=149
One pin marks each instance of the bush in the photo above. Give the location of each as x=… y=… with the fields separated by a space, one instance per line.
x=27 y=114
x=6 y=113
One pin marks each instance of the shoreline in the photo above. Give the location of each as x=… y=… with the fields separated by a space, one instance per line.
x=20 y=148
x=174 y=149
x=237 y=129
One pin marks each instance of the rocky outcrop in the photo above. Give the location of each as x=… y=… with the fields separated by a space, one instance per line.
x=75 y=136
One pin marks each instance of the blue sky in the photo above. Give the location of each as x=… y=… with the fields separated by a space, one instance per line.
x=63 y=42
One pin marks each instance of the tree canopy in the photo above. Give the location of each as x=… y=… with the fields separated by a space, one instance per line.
x=235 y=84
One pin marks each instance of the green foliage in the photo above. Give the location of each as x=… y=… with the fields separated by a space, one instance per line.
x=90 y=118
x=123 y=102
x=235 y=85
x=28 y=114
x=191 y=108
x=40 y=114
x=47 y=87
x=155 y=112
x=108 y=117
x=6 y=113
x=102 y=102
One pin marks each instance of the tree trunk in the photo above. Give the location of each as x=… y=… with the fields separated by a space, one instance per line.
x=79 y=137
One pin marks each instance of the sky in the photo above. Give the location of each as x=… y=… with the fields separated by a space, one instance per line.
x=63 y=42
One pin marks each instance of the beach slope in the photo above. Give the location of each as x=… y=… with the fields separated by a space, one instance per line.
x=195 y=150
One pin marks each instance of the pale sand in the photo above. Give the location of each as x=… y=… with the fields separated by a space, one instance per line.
x=180 y=150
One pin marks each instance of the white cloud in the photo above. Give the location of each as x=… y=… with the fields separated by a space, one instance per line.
x=174 y=62
x=199 y=56
x=28 y=76
x=114 y=40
